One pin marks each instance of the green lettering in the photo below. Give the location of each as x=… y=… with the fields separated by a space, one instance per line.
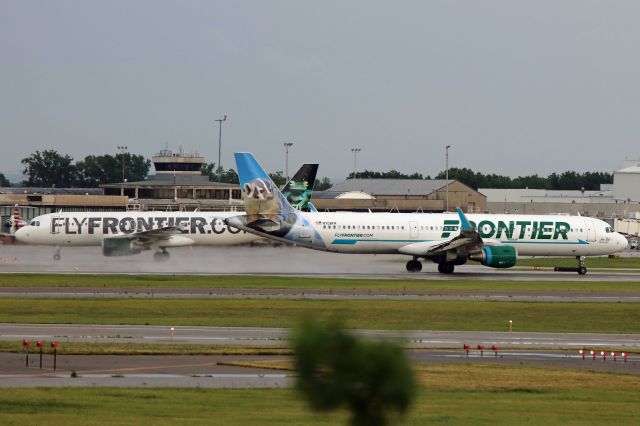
x=545 y=227
x=523 y=227
x=492 y=229
x=508 y=230
x=561 y=230
x=534 y=230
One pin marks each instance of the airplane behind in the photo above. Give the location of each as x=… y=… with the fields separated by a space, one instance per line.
x=128 y=233
x=448 y=239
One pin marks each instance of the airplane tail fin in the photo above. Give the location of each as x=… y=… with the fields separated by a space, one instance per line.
x=298 y=190
x=267 y=210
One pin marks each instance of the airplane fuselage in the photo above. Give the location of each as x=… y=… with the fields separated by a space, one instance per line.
x=90 y=228
x=531 y=235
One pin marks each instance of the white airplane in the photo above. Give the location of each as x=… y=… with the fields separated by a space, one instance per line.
x=127 y=233
x=448 y=239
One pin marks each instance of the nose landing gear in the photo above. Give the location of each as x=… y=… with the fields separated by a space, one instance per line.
x=581 y=269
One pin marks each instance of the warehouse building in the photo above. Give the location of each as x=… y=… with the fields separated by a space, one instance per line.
x=403 y=195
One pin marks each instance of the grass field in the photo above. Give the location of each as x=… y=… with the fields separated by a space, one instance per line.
x=239 y=281
x=99 y=348
x=591 y=262
x=369 y=314
x=452 y=395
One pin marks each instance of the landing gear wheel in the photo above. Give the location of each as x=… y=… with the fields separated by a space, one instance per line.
x=582 y=269
x=446 y=268
x=160 y=256
x=414 y=266
x=57 y=257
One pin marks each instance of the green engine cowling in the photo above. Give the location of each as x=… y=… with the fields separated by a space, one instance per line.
x=118 y=247
x=498 y=256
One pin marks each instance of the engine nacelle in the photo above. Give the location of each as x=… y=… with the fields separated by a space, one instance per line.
x=118 y=247
x=497 y=256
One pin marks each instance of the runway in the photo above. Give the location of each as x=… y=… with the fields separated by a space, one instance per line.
x=218 y=371
x=266 y=260
x=508 y=295
x=256 y=337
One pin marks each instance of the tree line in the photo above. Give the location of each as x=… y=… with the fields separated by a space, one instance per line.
x=49 y=168
x=569 y=180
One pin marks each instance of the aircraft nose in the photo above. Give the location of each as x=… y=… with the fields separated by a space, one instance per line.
x=22 y=234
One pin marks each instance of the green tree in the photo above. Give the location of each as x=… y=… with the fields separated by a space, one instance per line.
x=229 y=176
x=97 y=169
x=278 y=178
x=208 y=169
x=48 y=168
x=4 y=182
x=322 y=184
x=391 y=174
x=219 y=174
x=338 y=369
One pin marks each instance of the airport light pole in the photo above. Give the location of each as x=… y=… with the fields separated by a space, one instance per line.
x=123 y=151
x=287 y=145
x=446 y=172
x=355 y=164
x=220 y=120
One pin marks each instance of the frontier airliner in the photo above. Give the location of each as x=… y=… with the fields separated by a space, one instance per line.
x=448 y=239
x=127 y=233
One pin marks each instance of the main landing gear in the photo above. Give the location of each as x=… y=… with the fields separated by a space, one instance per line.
x=161 y=256
x=446 y=268
x=414 y=265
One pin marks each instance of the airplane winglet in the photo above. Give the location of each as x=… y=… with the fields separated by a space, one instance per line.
x=464 y=222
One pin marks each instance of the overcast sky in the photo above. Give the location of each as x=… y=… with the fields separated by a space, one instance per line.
x=515 y=87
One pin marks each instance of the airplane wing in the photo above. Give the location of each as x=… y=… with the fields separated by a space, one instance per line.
x=154 y=235
x=467 y=242
x=123 y=245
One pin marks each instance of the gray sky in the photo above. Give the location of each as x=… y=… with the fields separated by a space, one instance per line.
x=515 y=87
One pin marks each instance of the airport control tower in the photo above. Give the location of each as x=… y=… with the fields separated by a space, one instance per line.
x=169 y=162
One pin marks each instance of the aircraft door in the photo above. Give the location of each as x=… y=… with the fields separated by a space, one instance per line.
x=414 y=232
x=591 y=230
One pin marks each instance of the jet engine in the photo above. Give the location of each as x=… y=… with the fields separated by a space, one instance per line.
x=497 y=256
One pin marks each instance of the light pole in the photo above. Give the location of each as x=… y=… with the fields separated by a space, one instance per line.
x=446 y=172
x=123 y=150
x=355 y=164
x=287 y=145
x=220 y=120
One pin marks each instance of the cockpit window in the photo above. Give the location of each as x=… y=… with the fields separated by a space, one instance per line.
x=34 y=223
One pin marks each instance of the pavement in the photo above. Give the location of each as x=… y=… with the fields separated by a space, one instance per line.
x=216 y=371
x=267 y=260
x=256 y=337
x=507 y=295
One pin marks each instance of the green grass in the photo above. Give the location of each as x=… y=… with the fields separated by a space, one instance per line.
x=110 y=348
x=269 y=282
x=451 y=395
x=591 y=262
x=370 y=314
